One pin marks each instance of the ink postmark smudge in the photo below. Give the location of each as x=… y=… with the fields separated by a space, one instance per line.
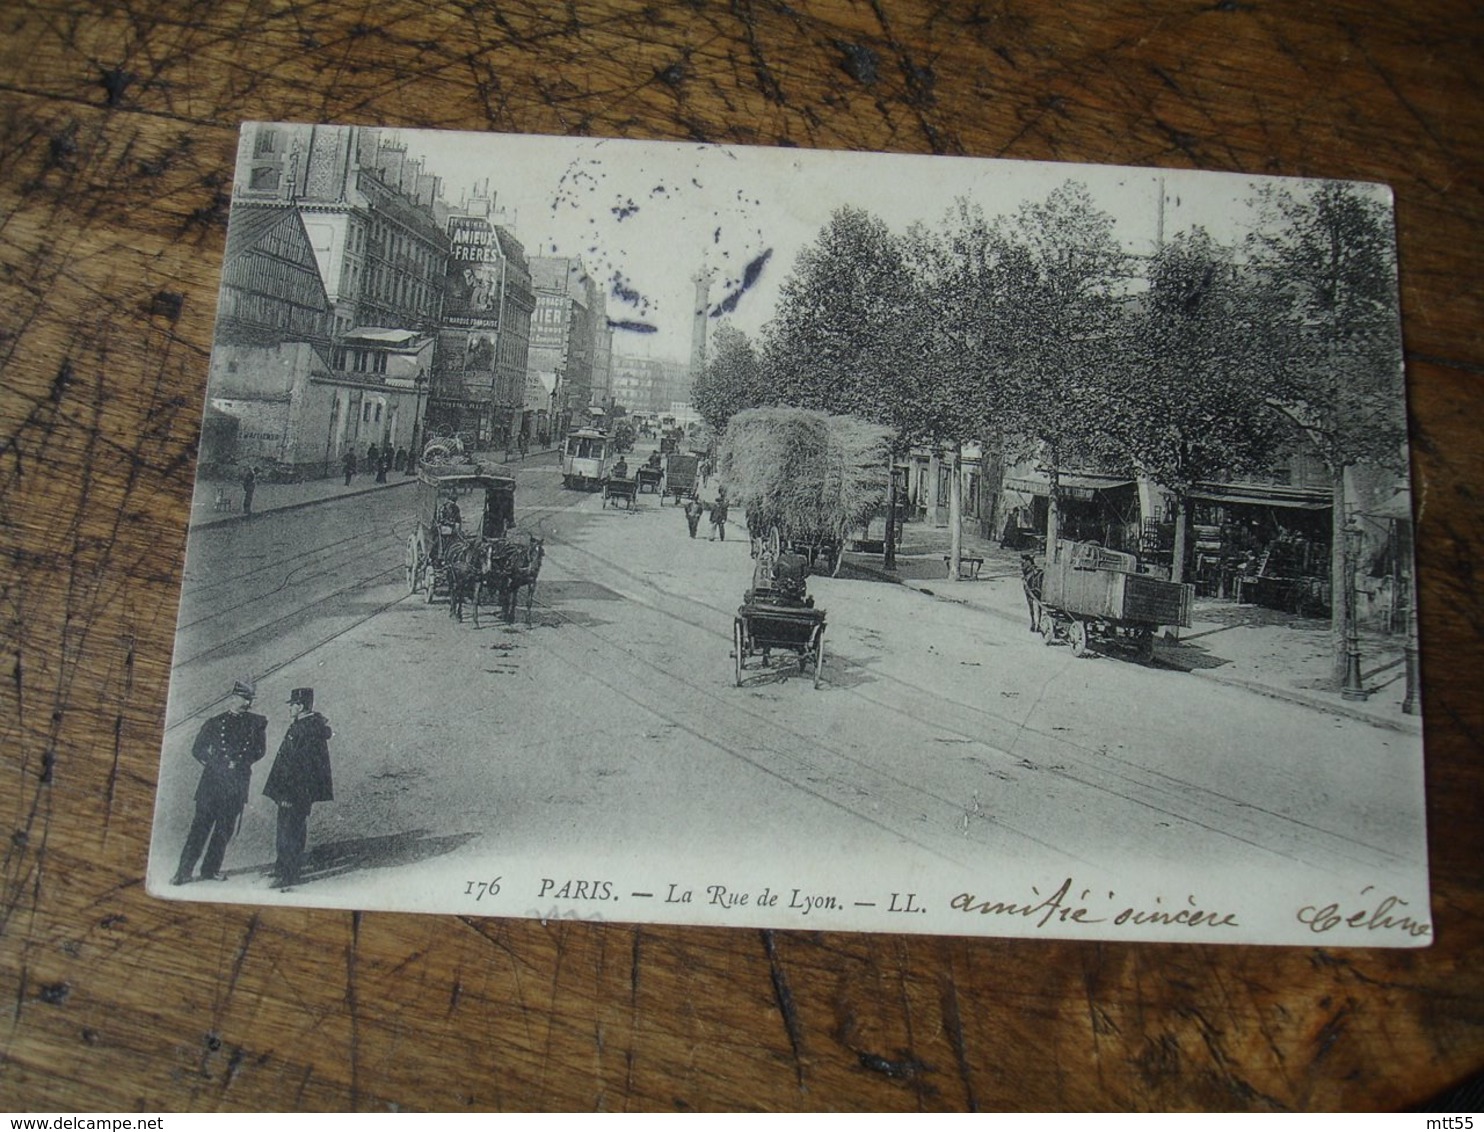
x=750 y=275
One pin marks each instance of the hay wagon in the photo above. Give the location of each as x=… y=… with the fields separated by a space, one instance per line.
x=1093 y=596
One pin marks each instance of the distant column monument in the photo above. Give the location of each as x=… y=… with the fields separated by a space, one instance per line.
x=702 y=280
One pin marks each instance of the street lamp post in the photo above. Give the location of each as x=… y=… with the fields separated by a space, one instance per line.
x=1353 y=687
x=1411 y=703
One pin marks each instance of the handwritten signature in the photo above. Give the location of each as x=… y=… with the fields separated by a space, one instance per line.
x=1381 y=918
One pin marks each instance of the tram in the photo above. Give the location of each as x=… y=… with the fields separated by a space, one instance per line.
x=586 y=453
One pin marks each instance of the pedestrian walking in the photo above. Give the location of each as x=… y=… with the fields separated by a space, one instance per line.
x=249 y=485
x=373 y=457
x=719 y=517
x=525 y=445
x=693 y=512
x=227 y=746
x=300 y=777
x=382 y=465
x=349 y=464
x=399 y=461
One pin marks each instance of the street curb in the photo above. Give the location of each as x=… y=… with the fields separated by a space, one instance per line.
x=1402 y=726
x=239 y=517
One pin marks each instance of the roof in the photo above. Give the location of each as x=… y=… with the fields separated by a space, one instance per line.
x=384 y=335
x=249 y=222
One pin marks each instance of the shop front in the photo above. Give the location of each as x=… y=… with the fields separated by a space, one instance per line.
x=1090 y=508
x=1262 y=545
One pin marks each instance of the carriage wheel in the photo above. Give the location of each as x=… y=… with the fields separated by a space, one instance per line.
x=818 y=655
x=1144 y=643
x=432 y=579
x=775 y=542
x=739 y=648
x=1046 y=624
x=1077 y=634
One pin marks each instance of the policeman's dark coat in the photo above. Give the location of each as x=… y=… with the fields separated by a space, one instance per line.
x=226 y=747
x=301 y=769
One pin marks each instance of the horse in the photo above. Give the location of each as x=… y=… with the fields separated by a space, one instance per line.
x=462 y=568
x=508 y=568
x=1031 y=577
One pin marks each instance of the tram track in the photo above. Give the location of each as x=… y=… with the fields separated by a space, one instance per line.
x=1091 y=768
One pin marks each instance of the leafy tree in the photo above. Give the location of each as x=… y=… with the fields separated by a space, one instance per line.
x=1190 y=400
x=732 y=380
x=837 y=343
x=1063 y=275
x=1328 y=261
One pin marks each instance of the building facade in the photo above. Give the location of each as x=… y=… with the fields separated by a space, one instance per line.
x=366 y=213
x=484 y=334
x=564 y=337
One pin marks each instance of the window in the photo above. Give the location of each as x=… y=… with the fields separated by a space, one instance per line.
x=264 y=179
x=267 y=142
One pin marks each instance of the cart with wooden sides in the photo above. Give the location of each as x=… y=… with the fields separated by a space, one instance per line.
x=1093 y=597
x=763 y=627
x=681 y=476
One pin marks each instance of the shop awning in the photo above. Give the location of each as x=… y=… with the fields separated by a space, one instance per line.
x=1078 y=485
x=1399 y=506
x=1259 y=495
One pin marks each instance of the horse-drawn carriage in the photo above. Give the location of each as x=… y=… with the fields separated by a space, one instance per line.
x=1087 y=594
x=650 y=477
x=765 y=625
x=462 y=548
x=681 y=476
x=777 y=616
x=620 y=489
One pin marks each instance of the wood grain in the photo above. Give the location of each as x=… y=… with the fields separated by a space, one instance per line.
x=117 y=132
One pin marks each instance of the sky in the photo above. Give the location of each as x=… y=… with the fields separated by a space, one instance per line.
x=645 y=217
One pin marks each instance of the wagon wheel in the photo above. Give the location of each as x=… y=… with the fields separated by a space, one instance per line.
x=818 y=655
x=775 y=542
x=432 y=579
x=1077 y=634
x=739 y=647
x=1144 y=644
x=1046 y=624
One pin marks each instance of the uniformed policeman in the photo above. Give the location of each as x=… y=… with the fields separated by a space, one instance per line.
x=226 y=747
x=299 y=778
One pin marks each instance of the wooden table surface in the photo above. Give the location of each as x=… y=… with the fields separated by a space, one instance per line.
x=117 y=135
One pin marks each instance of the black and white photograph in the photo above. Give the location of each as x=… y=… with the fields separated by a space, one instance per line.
x=701 y=534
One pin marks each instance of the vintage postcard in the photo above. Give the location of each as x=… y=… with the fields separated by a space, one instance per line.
x=693 y=534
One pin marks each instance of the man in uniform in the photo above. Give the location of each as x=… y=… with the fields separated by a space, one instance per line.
x=300 y=777
x=226 y=747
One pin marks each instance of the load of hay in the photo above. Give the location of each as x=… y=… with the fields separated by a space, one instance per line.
x=813 y=476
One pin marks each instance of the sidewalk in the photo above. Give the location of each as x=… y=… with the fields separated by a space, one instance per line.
x=289 y=496
x=1263 y=650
